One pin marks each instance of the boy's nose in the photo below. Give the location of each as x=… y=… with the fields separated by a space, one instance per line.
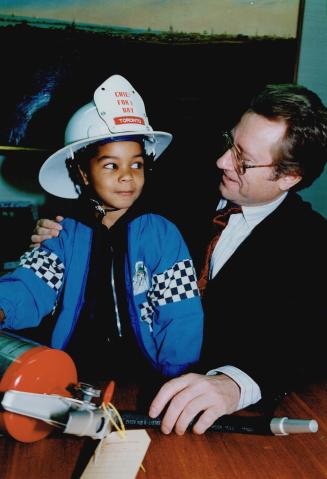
x=126 y=176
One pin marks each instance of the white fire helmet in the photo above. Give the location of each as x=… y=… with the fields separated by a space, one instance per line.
x=117 y=110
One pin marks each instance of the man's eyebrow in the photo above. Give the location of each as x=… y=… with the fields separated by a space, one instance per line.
x=240 y=149
x=237 y=147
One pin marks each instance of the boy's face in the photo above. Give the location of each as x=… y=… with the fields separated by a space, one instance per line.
x=116 y=173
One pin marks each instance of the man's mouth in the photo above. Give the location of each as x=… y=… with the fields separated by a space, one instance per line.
x=227 y=178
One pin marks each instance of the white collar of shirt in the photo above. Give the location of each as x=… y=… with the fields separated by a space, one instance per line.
x=254 y=214
x=238 y=228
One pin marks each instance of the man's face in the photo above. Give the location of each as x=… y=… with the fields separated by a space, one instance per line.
x=256 y=140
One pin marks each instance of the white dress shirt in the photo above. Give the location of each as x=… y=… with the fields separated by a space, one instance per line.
x=238 y=228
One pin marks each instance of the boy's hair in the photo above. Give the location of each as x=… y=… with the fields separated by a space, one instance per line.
x=303 y=150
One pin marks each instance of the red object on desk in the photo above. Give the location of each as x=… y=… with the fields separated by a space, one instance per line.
x=30 y=367
x=108 y=392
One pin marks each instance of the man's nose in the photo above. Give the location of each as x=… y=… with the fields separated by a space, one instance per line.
x=225 y=161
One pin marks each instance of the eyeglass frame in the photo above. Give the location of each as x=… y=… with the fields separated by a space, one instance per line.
x=240 y=166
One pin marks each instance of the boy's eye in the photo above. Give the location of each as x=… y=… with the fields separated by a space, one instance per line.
x=137 y=165
x=110 y=166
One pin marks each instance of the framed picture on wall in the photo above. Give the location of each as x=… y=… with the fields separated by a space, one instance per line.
x=196 y=65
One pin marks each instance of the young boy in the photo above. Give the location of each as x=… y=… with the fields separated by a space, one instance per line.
x=119 y=283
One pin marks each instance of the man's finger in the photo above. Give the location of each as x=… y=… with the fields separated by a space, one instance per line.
x=207 y=418
x=166 y=393
x=37 y=239
x=179 y=393
x=186 y=405
x=48 y=224
x=33 y=245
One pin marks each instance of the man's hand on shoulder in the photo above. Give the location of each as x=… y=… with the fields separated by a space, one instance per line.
x=45 y=229
x=191 y=394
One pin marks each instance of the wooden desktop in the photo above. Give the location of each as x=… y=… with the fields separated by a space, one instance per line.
x=210 y=456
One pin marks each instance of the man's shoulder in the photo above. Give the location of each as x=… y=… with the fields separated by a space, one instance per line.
x=294 y=224
x=298 y=226
x=294 y=209
x=303 y=212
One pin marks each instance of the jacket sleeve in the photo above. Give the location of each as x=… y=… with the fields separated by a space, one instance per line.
x=169 y=308
x=30 y=292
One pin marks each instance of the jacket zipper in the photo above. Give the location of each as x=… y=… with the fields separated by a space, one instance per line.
x=118 y=322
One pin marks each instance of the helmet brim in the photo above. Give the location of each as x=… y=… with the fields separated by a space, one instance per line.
x=54 y=176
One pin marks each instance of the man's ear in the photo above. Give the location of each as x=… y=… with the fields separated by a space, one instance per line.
x=83 y=175
x=288 y=181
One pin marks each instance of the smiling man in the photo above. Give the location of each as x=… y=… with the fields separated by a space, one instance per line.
x=263 y=297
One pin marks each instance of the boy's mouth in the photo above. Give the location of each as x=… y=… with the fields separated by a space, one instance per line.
x=125 y=193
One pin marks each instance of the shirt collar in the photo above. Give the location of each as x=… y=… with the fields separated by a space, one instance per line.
x=254 y=214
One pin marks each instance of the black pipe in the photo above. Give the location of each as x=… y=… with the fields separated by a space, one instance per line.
x=261 y=425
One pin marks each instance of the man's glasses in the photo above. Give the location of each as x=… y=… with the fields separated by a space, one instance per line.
x=240 y=164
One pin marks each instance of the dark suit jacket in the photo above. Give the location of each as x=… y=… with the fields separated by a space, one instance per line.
x=266 y=308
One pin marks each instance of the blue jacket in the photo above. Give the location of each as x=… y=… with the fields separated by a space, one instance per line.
x=164 y=303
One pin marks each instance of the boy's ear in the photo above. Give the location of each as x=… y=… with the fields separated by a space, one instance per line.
x=83 y=175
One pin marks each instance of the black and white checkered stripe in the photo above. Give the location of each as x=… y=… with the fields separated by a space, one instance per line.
x=46 y=265
x=175 y=284
x=147 y=314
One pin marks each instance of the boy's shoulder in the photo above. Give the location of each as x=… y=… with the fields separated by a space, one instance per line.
x=152 y=220
x=69 y=223
x=72 y=229
x=154 y=229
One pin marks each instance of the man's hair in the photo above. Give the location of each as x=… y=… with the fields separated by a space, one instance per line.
x=303 y=150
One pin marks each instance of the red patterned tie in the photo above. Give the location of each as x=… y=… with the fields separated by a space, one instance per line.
x=219 y=222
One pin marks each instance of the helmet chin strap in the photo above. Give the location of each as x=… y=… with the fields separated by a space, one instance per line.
x=103 y=211
x=110 y=209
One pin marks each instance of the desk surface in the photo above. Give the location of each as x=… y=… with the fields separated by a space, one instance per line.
x=211 y=456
